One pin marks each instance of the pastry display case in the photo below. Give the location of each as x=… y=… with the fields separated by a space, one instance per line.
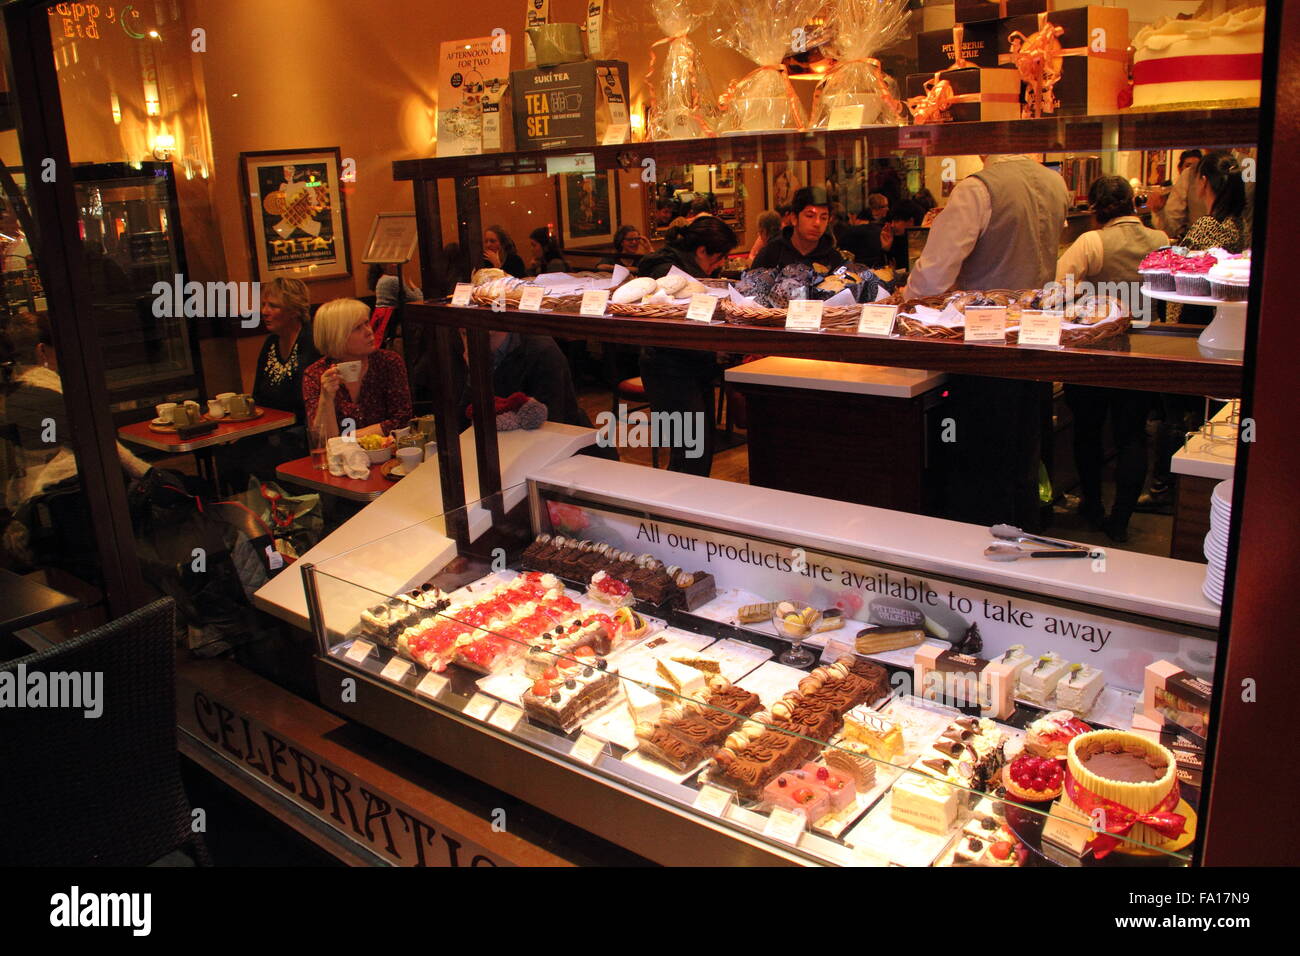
x=606 y=643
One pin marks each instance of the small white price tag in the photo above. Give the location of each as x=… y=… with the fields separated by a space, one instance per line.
x=594 y=301
x=847 y=117
x=1041 y=330
x=615 y=135
x=396 y=670
x=431 y=685
x=713 y=800
x=480 y=707
x=804 y=315
x=531 y=299
x=506 y=717
x=986 y=324
x=359 y=651
x=702 y=307
x=877 y=319
x=786 y=825
x=460 y=295
x=586 y=749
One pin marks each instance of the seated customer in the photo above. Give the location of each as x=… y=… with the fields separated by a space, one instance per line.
x=547 y=256
x=288 y=348
x=631 y=246
x=808 y=241
x=862 y=240
x=380 y=395
x=383 y=279
x=499 y=252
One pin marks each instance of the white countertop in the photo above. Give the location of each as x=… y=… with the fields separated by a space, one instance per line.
x=837 y=377
x=1144 y=584
x=1203 y=458
x=405 y=516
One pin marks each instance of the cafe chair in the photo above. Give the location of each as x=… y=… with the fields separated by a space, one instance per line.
x=632 y=392
x=101 y=791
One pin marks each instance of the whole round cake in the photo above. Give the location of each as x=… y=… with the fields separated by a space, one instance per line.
x=1107 y=767
x=1192 y=61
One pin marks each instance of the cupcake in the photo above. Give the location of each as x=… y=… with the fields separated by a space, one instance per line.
x=1191 y=275
x=1031 y=779
x=1230 y=278
x=1155 y=269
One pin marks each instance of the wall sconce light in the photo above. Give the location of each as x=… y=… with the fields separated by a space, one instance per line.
x=163 y=146
x=117 y=109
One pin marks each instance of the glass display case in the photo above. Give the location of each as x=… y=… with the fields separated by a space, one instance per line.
x=598 y=647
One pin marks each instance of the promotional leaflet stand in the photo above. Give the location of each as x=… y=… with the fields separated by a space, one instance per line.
x=392 y=241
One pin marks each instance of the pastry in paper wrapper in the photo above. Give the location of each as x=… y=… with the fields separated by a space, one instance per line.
x=765 y=99
x=682 y=102
x=860 y=28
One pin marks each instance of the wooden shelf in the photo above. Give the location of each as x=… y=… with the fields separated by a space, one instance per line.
x=1155 y=360
x=1129 y=130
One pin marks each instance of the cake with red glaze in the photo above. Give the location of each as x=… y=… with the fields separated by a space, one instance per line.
x=1033 y=779
x=1157 y=269
x=1050 y=736
x=1192 y=274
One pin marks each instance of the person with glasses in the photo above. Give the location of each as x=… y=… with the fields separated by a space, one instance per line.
x=631 y=246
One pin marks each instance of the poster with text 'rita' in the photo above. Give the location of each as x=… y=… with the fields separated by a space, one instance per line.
x=472 y=78
x=871 y=594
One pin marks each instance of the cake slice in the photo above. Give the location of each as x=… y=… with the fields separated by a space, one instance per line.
x=644 y=705
x=924 y=803
x=1079 y=690
x=681 y=680
x=1039 y=680
x=883 y=738
x=701 y=663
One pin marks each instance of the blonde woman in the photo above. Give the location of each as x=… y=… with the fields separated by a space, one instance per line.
x=288 y=349
x=377 y=395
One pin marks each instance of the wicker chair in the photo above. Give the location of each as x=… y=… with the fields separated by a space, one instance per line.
x=105 y=791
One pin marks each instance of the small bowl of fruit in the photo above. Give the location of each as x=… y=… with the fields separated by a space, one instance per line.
x=379 y=448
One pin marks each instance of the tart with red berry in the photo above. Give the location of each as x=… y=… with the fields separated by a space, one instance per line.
x=1033 y=779
x=609 y=590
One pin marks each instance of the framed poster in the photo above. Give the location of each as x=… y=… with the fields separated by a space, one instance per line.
x=782 y=181
x=588 y=209
x=297 y=223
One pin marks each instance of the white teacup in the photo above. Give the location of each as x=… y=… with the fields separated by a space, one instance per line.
x=164 y=411
x=224 y=398
x=349 y=371
x=216 y=409
x=409 y=458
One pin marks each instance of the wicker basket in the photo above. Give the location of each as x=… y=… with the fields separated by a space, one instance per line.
x=562 y=303
x=1092 y=336
x=659 y=310
x=833 y=316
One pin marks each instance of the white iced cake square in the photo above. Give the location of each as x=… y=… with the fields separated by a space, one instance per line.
x=1038 y=680
x=1079 y=688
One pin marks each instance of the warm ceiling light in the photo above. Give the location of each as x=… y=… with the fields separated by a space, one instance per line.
x=154 y=34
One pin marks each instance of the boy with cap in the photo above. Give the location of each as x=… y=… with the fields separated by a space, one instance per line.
x=809 y=240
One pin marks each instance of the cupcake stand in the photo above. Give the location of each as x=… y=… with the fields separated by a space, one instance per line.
x=1223 y=338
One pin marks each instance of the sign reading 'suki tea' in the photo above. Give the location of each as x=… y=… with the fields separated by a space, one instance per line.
x=472 y=78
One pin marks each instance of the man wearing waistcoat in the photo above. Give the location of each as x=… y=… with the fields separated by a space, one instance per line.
x=1001 y=229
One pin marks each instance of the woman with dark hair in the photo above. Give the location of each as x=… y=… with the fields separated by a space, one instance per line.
x=499 y=252
x=1111 y=254
x=631 y=246
x=1219 y=184
x=679 y=380
x=769 y=227
x=547 y=256
x=383 y=280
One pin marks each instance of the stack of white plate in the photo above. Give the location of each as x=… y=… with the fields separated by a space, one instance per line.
x=1216 y=542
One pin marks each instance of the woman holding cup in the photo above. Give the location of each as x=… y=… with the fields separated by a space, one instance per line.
x=355 y=385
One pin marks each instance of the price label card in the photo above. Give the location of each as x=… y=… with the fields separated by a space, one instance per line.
x=359 y=651
x=713 y=800
x=785 y=825
x=586 y=749
x=506 y=717
x=396 y=670
x=986 y=324
x=877 y=319
x=531 y=299
x=480 y=706
x=615 y=135
x=594 y=301
x=1041 y=330
x=431 y=685
x=847 y=117
x=460 y=295
x=702 y=307
x=804 y=315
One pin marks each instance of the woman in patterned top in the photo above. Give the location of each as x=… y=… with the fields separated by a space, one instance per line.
x=288 y=349
x=1218 y=182
x=380 y=396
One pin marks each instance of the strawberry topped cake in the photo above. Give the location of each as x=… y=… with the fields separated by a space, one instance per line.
x=609 y=590
x=1031 y=779
x=1050 y=736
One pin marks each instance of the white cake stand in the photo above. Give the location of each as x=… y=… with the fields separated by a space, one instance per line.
x=1223 y=338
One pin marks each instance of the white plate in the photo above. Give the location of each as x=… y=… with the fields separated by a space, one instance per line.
x=1223 y=493
x=662 y=770
x=1215 y=547
x=772 y=680
x=1212 y=598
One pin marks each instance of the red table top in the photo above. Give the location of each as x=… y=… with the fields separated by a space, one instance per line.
x=271 y=419
x=302 y=472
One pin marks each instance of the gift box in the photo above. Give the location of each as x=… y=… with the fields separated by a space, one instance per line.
x=974 y=11
x=975 y=94
x=1093 y=56
x=568 y=105
x=936 y=49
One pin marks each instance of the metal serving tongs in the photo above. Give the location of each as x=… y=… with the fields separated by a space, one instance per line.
x=1006 y=549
